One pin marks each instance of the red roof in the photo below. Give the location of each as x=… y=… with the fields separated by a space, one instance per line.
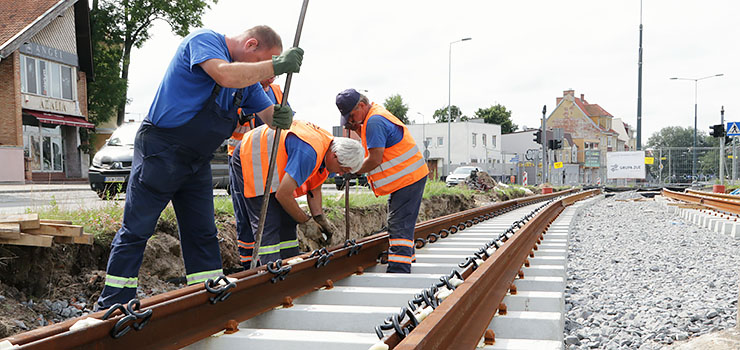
x=17 y=15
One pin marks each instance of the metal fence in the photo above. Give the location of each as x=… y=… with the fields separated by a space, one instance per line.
x=680 y=165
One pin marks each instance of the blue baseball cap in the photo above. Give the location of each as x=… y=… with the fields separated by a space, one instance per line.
x=346 y=101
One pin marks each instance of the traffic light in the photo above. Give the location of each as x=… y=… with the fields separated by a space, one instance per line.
x=554 y=144
x=717 y=130
x=538 y=136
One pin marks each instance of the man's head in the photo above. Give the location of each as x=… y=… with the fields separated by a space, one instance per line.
x=354 y=107
x=344 y=155
x=257 y=44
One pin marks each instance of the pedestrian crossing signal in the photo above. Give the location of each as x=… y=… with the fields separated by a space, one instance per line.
x=718 y=130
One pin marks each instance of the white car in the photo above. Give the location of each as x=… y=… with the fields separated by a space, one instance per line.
x=459 y=175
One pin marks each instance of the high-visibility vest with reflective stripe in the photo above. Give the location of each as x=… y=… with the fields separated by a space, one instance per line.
x=255 y=151
x=242 y=129
x=402 y=163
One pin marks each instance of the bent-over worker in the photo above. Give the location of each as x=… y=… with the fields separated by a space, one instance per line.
x=306 y=155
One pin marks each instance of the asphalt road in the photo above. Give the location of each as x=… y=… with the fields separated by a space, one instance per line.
x=19 y=199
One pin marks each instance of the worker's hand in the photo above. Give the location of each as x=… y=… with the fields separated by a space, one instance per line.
x=327 y=229
x=288 y=62
x=282 y=117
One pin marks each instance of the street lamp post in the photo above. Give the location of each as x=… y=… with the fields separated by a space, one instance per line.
x=449 y=104
x=696 y=89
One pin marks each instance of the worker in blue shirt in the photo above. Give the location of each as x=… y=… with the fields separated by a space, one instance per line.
x=194 y=110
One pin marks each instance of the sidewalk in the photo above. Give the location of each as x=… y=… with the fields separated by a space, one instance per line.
x=17 y=188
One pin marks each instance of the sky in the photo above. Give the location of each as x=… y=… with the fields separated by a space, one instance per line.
x=523 y=54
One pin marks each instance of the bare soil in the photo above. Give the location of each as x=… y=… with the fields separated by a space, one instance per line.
x=41 y=286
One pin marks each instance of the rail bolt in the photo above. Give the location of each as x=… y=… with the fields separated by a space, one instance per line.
x=502 y=309
x=489 y=338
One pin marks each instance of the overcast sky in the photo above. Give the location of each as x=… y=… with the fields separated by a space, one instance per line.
x=523 y=54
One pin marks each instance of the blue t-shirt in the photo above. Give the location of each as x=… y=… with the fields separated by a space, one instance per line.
x=301 y=158
x=381 y=132
x=186 y=86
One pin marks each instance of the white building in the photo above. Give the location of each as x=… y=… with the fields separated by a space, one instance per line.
x=473 y=143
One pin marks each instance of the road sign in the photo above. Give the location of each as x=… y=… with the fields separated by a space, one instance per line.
x=733 y=129
x=558 y=165
x=524 y=178
x=649 y=160
x=426 y=154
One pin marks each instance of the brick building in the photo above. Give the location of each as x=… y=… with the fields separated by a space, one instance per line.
x=592 y=133
x=45 y=63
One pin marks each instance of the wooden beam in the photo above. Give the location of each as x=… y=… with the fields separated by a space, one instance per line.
x=10 y=231
x=56 y=230
x=47 y=221
x=86 y=238
x=30 y=240
x=27 y=221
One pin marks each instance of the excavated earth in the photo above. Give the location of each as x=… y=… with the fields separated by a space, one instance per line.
x=40 y=286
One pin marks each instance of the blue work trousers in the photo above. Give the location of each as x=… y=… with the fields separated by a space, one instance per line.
x=403 y=210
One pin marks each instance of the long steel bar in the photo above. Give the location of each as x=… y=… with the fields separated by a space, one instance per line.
x=460 y=321
x=184 y=316
x=714 y=202
x=273 y=152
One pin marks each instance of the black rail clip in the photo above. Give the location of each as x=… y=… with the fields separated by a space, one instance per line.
x=125 y=324
x=354 y=247
x=324 y=257
x=276 y=268
x=221 y=291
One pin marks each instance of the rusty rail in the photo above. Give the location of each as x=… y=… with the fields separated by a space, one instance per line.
x=711 y=201
x=713 y=194
x=182 y=317
x=460 y=321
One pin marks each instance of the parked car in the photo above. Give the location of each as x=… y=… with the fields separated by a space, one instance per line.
x=111 y=165
x=339 y=181
x=459 y=175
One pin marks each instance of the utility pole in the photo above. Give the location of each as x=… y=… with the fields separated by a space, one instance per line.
x=722 y=149
x=639 y=88
x=545 y=162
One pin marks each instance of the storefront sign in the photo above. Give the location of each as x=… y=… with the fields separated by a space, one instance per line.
x=49 y=53
x=592 y=158
x=47 y=104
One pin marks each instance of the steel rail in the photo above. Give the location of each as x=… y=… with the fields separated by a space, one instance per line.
x=184 y=316
x=712 y=194
x=726 y=205
x=461 y=320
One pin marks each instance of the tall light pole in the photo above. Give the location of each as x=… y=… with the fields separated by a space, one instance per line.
x=449 y=104
x=639 y=88
x=696 y=89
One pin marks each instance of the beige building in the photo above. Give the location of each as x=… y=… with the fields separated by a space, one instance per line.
x=45 y=63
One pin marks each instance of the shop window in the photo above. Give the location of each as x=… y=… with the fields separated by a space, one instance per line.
x=44 y=148
x=47 y=78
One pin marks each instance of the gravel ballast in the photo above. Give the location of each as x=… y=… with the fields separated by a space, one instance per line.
x=640 y=277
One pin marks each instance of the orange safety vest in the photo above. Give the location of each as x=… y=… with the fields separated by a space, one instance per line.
x=402 y=163
x=255 y=151
x=242 y=129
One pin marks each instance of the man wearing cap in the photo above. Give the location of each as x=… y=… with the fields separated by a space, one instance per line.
x=247 y=122
x=394 y=166
x=194 y=110
x=305 y=157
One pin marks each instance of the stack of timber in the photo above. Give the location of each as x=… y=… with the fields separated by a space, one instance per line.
x=29 y=230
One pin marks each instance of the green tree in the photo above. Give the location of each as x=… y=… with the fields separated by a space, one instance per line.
x=440 y=115
x=395 y=105
x=497 y=114
x=678 y=136
x=132 y=20
x=108 y=90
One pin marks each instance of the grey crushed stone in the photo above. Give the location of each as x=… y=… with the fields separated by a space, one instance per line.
x=642 y=278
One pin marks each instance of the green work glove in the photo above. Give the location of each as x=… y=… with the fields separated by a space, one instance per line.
x=282 y=117
x=288 y=62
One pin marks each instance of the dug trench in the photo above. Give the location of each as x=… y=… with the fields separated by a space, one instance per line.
x=40 y=286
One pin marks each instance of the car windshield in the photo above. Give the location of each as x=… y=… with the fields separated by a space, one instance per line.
x=124 y=135
x=463 y=170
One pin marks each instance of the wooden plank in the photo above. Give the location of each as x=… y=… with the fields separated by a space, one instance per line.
x=27 y=221
x=56 y=230
x=30 y=240
x=48 y=221
x=86 y=238
x=10 y=231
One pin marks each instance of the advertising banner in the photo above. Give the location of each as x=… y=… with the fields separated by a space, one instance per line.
x=625 y=165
